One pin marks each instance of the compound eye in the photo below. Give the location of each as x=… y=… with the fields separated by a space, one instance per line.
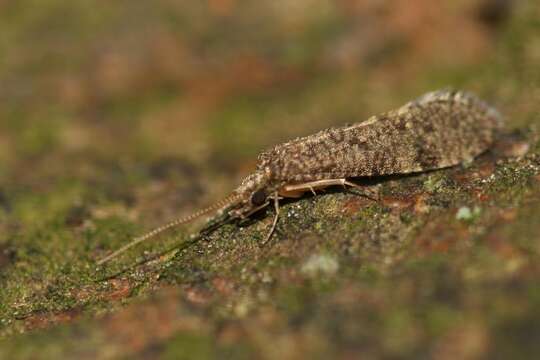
x=258 y=198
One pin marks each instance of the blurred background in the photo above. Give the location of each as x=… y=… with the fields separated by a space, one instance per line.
x=107 y=94
x=214 y=82
x=117 y=115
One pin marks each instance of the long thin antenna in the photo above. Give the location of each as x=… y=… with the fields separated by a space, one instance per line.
x=231 y=199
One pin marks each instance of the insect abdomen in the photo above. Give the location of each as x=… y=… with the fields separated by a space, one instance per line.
x=438 y=130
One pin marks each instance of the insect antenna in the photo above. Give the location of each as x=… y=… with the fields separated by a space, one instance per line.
x=180 y=221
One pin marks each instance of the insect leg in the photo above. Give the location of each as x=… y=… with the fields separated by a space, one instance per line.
x=372 y=194
x=215 y=222
x=253 y=211
x=312 y=185
x=321 y=184
x=276 y=218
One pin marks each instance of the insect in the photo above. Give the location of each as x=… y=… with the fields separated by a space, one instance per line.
x=437 y=130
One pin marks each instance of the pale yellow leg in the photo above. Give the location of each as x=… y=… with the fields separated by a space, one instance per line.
x=276 y=218
x=321 y=184
x=312 y=185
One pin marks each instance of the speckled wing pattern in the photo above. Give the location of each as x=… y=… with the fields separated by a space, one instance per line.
x=437 y=130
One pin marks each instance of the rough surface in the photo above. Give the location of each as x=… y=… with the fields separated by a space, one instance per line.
x=117 y=118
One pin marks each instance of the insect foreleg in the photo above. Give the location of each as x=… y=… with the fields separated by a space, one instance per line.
x=276 y=218
x=253 y=211
x=215 y=222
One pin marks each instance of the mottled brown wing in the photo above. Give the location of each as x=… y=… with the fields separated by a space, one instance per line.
x=440 y=129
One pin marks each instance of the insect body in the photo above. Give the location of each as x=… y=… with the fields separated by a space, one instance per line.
x=438 y=130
